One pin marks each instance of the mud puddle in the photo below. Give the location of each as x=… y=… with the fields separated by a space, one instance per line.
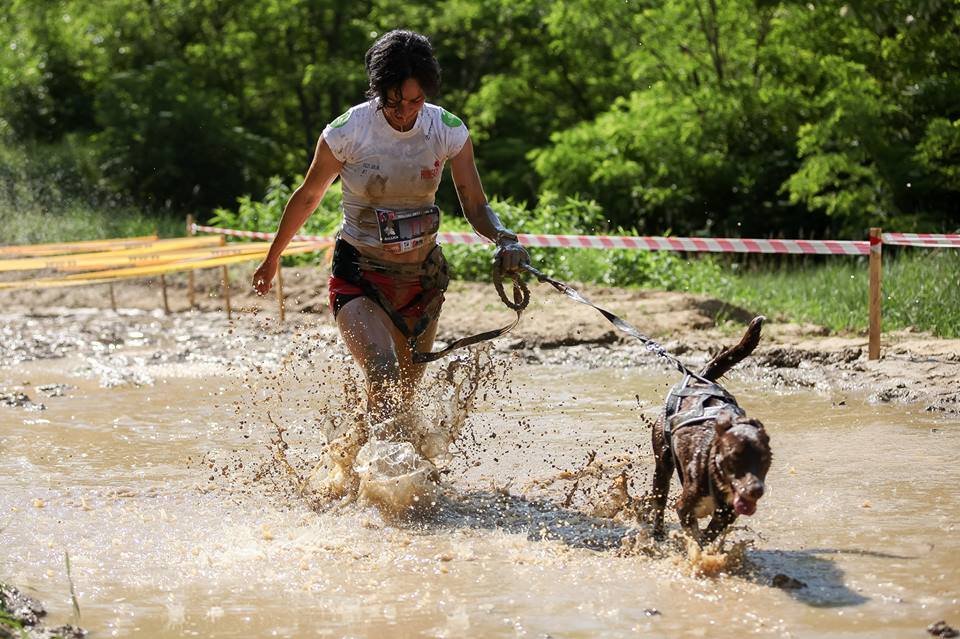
x=150 y=486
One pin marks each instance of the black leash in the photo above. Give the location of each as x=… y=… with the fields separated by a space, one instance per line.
x=620 y=324
x=521 y=298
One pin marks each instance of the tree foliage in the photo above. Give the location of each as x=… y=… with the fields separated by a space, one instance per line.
x=749 y=117
x=774 y=117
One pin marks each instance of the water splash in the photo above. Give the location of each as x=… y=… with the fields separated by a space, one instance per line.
x=713 y=560
x=331 y=454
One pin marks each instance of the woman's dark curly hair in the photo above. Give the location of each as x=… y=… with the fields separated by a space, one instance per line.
x=396 y=56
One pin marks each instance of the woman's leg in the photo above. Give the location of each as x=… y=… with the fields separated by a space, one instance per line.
x=412 y=373
x=384 y=356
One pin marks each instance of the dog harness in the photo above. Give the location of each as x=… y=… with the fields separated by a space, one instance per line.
x=712 y=400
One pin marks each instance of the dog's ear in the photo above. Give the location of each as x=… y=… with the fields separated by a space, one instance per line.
x=724 y=423
x=761 y=431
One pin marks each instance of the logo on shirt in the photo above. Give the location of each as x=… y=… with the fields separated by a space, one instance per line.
x=432 y=173
x=340 y=121
x=450 y=119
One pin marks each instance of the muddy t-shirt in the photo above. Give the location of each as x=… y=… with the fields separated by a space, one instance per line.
x=390 y=177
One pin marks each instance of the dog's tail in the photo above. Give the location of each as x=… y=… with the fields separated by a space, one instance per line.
x=733 y=355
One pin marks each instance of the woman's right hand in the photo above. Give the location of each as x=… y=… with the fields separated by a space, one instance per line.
x=263 y=276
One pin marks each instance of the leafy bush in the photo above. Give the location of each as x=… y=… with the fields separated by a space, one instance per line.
x=921 y=287
x=264 y=215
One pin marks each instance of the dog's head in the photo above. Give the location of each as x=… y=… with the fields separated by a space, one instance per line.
x=741 y=461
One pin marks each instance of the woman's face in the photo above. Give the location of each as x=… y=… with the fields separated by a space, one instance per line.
x=404 y=105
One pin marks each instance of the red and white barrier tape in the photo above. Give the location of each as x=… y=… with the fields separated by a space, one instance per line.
x=930 y=240
x=700 y=244
x=691 y=244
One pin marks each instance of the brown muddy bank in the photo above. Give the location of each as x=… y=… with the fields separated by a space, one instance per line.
x=22 y=616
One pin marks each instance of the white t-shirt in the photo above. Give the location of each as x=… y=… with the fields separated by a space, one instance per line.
x=388 y=169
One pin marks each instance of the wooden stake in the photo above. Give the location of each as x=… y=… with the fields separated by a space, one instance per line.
x=226 y=289
x=190 y=294
x=225 y=283
x=163 y=288
x=283 y=313
x=113 y=299
x=876 y=271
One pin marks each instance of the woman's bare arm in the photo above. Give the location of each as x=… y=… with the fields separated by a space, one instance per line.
x=304 y=201
x=477 y=210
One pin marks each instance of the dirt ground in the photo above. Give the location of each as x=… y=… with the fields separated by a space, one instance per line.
x=914 y=367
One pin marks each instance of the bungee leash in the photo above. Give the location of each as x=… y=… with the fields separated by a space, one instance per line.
x=521 y=298
x=520 y=301
x=619 y=323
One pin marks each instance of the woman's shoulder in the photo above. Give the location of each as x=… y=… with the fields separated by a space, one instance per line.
x=357 y=114
x=441 y=116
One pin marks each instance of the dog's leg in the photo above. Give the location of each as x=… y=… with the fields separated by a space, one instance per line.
x=722 y=518
x=661 y=487
x=662 y=473
x=685 y=511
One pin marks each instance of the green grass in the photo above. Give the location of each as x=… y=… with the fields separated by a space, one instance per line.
x=10 y=624
x=920 y=291
x=13 y=627
x=831 y=294
x=78 y=222
x=920 y=286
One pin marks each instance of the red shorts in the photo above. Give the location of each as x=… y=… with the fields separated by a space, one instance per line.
x=406 y=298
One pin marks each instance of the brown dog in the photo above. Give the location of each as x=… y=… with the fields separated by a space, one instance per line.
x=721 y=456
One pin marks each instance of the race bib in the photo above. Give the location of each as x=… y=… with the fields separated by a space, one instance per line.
x=405 y=230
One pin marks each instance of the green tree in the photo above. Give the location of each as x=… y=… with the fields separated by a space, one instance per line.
x=46 y=86
x=701 y=140
x=774 y=117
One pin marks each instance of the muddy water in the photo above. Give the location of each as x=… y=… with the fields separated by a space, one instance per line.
x=151 y=491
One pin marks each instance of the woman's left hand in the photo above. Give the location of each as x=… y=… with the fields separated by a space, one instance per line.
x=509 y=255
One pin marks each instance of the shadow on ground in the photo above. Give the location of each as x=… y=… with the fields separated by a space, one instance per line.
x=538 y=519
x=809 y=576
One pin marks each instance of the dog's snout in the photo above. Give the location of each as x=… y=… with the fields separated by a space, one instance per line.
x=754 y=489
x=750 y=487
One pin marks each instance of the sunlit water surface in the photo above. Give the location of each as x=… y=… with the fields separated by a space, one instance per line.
x=862 y=507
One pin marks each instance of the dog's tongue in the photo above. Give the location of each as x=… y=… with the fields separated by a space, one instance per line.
x=744 y=506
